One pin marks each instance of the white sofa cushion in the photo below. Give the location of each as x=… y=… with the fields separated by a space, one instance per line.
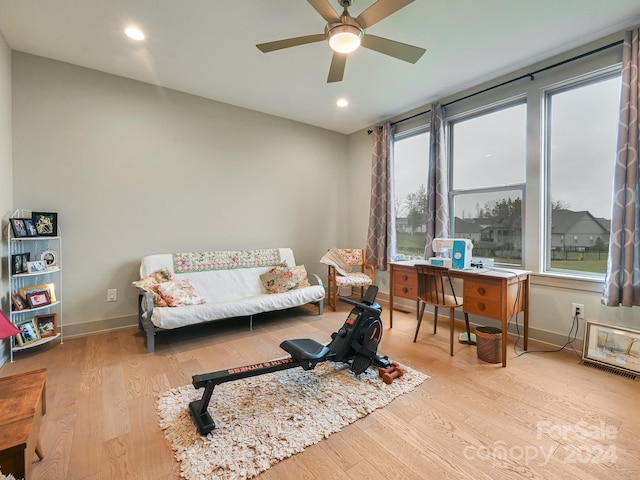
x=168 y=317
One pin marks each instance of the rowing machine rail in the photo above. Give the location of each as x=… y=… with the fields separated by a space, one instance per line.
x=356 y=343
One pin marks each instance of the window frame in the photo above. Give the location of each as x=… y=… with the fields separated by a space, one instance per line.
x=521 y=186
x=404 y=135
x=578 y=81
x=530 y=82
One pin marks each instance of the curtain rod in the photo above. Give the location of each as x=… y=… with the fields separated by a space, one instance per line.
x=526 y=75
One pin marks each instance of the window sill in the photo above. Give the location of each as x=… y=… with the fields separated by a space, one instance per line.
x=568 y=281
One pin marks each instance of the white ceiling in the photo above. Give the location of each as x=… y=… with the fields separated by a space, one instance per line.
x=207 y=48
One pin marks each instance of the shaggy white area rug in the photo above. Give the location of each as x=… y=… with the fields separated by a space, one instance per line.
x=264 y=419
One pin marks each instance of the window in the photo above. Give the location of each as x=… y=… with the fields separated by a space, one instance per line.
x=488 y=153
x=411 y=161
x=581 y=131
x=553 y=135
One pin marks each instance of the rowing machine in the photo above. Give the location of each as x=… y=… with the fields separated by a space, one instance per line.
x=356 y=344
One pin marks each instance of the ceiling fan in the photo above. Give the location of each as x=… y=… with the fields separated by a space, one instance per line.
x=345 y=34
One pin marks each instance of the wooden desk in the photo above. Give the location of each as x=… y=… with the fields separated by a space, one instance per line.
x=22 y=404
x=494 y=293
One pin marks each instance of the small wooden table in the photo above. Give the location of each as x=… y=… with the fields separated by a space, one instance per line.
x=22 y=405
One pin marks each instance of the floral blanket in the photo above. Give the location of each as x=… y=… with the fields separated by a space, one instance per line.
x=224 y=260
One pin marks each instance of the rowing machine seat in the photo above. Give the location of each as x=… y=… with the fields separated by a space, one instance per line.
x=305 y=350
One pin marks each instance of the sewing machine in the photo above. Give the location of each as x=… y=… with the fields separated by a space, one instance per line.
x=452 y=253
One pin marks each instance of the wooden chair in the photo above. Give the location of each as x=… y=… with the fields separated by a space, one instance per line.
x=436 y=289
x=349 y=268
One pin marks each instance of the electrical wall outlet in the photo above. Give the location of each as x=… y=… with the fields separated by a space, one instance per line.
x=577 y=310
x=112 y=295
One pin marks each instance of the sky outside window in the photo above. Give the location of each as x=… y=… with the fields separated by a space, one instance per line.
x=582 y=135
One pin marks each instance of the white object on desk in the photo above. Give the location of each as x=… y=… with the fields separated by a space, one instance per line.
x=455 y=253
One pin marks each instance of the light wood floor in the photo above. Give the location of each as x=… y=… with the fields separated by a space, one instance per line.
x=544 y=416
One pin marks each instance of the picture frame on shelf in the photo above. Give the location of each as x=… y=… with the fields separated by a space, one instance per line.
x=49 y=287
x=26 y=258
x=39 y=298
x=46 y=223
x=50 y=257
x=617 y=347
x=18 y=227
x=19 y=263
x=28 y=332
x=37 y=266
x=19 y=303
x=31 y=228
x=47 y=324
x=16 y=264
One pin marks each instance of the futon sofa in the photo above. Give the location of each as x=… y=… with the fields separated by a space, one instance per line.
x=183 y=289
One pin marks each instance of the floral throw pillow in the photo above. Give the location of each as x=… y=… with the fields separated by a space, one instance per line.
x=180 y=293
x=279 y=279
x=150 y=284
x=301 y=273
x=162 y=275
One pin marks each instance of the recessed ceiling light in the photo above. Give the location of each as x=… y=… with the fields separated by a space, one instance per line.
x=342 y=102
x=134 y=33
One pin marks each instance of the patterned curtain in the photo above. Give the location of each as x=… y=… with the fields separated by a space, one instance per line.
x=381 y=238
x=437 y=191
x=622 y=281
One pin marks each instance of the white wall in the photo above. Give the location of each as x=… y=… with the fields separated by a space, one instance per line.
x=6 y=174
x=359 y=192
x=6 y=165
x=133 y=169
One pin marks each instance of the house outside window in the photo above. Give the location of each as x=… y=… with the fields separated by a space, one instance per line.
x=581 y=130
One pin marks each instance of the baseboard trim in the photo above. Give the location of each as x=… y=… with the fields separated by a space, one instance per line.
x=548 y=339
x=96 y=327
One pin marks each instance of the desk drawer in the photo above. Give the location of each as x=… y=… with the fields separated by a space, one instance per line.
x=405 y=276
x=483 y=307
x=405 y=283
x=482 y=290
x=483 y=298
x=405 y=291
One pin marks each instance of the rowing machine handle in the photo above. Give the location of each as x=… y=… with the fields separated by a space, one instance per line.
x=369 y=296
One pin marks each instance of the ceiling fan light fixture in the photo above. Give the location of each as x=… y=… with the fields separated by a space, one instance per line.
x=344 y=38
x=344 y=34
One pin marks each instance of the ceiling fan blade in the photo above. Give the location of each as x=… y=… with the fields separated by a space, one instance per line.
x=290 y=42
x=379 y=11
x=325 y=10
x=336 y=71
x=401 y=51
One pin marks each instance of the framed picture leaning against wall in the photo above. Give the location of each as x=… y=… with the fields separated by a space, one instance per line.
x=614 y=346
